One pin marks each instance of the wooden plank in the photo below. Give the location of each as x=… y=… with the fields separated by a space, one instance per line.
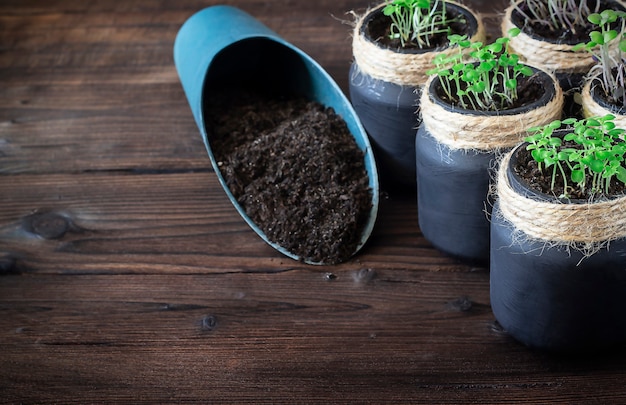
x=83 y=82
x=126 y=275
x=232 y=337
x=179 y=218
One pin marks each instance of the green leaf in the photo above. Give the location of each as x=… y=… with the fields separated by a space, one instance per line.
x=609 y=36
x=597 y=37
x=563 y=155
x=555 y=142
x=621 y=174
x=485 y=67
x=455 y=38
x=470 y=76
x=458 y=67
x=596 y=166
x=556 y=124
x=578 y=176
x=570 y=137
x=549 y=161
x=511 y=84
x=479 y=87
x=595 y=18
x=608 y=16
x=495 y=47
x=619 y=150
x=574 y=156
x=526 y=70
x=608 y=125
x=390 y=9
x=513 y=32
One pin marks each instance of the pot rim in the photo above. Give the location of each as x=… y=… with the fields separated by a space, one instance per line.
x=595 y=89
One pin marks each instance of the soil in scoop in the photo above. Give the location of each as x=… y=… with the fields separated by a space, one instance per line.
x=295 y=169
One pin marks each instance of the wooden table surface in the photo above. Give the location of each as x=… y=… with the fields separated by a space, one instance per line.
x=126 y=275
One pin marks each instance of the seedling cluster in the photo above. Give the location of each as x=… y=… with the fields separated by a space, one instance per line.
x=557 y=15
x=478 y=76
x=415 y=22
x=588 y=157
x=611 y=66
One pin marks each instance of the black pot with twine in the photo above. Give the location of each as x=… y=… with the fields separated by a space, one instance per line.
x=557 y=270
x=384 y=89
x=594 y=103
x=456 y=153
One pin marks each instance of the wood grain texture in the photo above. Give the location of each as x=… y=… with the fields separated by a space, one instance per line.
x=126 y=275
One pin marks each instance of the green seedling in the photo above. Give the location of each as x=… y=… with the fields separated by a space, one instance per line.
x=478 y=76
x=557 y=15
x=588 y=157
x=611 y=66
x=415 y=22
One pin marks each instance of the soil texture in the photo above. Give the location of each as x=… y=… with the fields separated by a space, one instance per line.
x=295 y=169
x=530 y=89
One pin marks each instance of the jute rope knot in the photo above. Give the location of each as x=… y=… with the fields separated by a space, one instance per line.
x=549 y=56
x=590 y=108
x=585 y=227
x=480 y=131
x=404 y=69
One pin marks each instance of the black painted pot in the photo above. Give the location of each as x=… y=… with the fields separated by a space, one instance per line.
x=452 y=190
x=453 y=181
x=551 y=297
x=387 y=101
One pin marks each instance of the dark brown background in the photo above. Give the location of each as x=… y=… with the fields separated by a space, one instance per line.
x=127 y=275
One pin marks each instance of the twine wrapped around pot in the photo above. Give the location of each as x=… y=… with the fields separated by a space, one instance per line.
x=591 y=108
x=404 y=69
x=558 y=58
x=585 y=227
x=480 y=131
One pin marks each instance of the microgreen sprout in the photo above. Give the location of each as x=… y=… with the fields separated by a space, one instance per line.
x=587 y=158
x=557 y=15
x=478 y=76
x=611 y=66
x=415 y=22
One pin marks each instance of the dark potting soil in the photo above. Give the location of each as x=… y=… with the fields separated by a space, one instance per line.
x=378 y=30
x=530 y=89
x=540 y=180
x=295 y=169
x=616 y=105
